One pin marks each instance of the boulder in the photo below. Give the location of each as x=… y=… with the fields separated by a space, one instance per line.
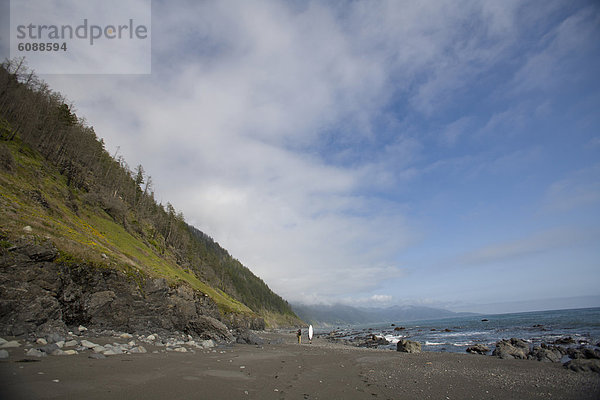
x=565 y=340
x=249 y=337
x=138 y=350
x=513 y=348
x=544 y=354
x=180 y=349
x=55 y=338
x=478 y=349
x=49 y=348
x=9 y=344
x=35 y=353
x=374 y=341
x=583 y=353
x=590 y=353
x=210 y=328
x=408 y=346
x=583 y=365
x=88 y=344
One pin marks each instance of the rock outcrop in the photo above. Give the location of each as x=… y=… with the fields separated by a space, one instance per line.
x=580 y=359
x=513 y=348
x=584 y=365
x=546 y=353
x=478 y=349
x=374 y=341
x=408 y=346
x=38 y=295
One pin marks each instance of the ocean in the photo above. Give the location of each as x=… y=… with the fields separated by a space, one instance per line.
x=456 y=334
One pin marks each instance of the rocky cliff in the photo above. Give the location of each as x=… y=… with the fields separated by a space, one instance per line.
x=40 y=295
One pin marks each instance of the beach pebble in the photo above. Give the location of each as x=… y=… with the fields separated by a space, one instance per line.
x=88 y=344
x=138 y=349
x=35 y=353
x=99 y=349
x=151 y=337
x=81 y=328
x=54 y=338
x=112 y=352
x=3 y=354
x=180 y=349
x=41 y=341
x=70 y=343
x=55 y=380
x=125 y=336
x=97 y=356
x=69 y=352
x=12 y=343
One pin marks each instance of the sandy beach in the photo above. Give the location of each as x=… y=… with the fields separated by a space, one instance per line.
x=321 y=370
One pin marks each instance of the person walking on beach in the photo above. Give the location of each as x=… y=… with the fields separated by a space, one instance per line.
x=299 y=334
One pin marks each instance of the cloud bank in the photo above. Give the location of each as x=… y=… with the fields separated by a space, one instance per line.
x=330 y=146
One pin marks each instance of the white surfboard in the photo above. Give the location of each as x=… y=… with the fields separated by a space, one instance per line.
x=310 y=332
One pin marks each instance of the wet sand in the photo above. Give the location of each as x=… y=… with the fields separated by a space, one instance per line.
x=322 y=370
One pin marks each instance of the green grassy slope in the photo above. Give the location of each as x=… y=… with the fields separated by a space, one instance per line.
x=34 y=194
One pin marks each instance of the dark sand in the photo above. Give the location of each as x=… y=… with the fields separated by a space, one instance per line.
x=290 y=371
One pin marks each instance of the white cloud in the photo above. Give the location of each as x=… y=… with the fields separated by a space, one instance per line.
x=256 y=111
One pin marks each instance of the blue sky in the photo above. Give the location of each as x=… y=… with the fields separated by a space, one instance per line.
x=384 y=152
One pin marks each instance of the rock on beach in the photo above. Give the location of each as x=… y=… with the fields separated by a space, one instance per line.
x=478 y=349
x=513 y=348
x=408 y=346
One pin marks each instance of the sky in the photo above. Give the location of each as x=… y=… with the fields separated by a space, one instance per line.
x=442 y=153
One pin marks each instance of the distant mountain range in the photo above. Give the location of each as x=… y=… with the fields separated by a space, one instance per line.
x=340 y=315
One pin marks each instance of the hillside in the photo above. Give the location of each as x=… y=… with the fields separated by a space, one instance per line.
x=59 y=187
x=336 y=315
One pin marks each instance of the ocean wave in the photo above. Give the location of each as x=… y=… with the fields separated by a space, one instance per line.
x=466 y=333
x=393 y=339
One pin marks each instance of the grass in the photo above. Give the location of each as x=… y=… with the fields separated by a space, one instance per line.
x=83 y=238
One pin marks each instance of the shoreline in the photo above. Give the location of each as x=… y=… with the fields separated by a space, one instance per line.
x=287 y=370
